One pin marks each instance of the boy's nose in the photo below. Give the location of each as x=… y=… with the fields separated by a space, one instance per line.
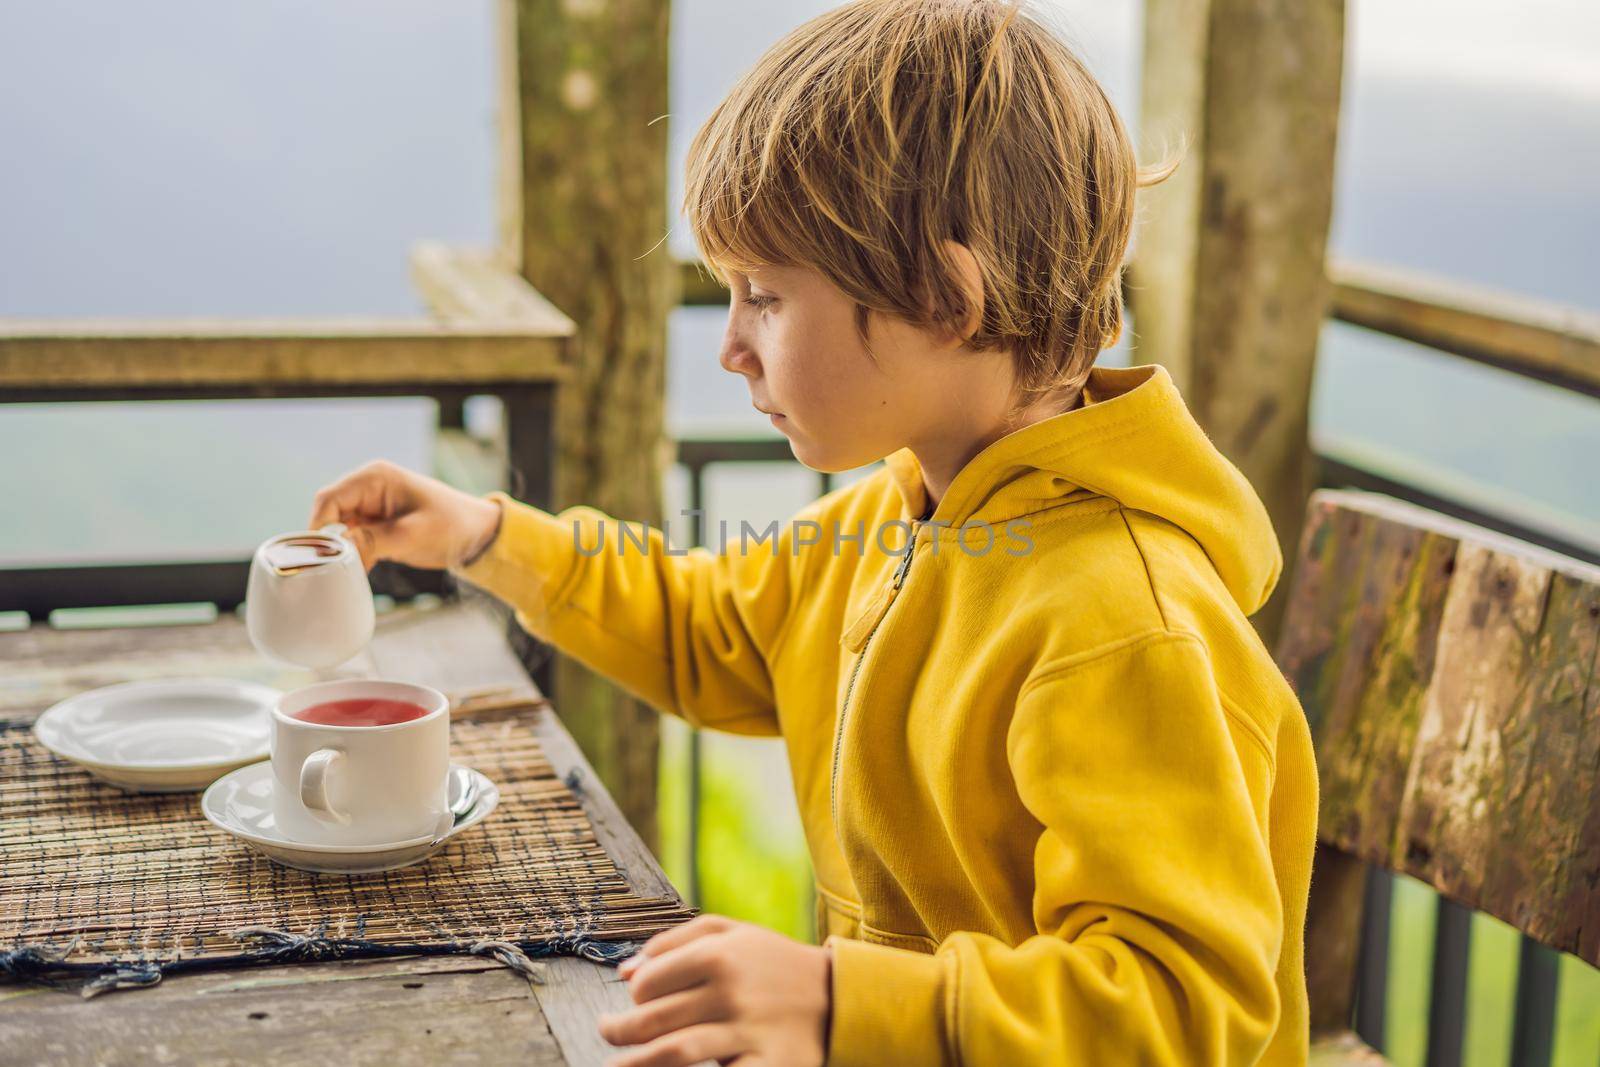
x=737 y=358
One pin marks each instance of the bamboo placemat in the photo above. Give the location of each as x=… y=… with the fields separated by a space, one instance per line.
x=116 y=889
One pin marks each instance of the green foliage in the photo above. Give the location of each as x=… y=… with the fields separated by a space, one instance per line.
x=753 y=860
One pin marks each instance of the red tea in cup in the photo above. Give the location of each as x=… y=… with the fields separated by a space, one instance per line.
x=294 y=554
x=363 y=711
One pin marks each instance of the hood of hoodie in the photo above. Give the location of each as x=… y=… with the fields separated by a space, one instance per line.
x=1132 y=440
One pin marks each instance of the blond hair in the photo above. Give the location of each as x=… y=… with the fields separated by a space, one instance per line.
x=867 y=137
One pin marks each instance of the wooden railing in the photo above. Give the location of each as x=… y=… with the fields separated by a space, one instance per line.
x=1531 y=338
x=1528 y=338
x=494 y=335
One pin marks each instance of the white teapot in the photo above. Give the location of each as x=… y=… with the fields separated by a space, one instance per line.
x=308 y=602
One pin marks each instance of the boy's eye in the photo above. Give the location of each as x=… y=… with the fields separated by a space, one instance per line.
x=760 y=303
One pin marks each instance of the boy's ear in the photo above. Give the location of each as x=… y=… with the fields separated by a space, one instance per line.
x=971 y=280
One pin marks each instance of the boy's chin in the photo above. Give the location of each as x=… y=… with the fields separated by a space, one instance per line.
x=820 y=458
x=806 y=451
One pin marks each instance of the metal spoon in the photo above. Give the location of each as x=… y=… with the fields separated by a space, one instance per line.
x=462 y=791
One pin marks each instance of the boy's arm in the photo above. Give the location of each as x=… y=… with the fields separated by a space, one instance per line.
x=1159 y=918
x=691 y=634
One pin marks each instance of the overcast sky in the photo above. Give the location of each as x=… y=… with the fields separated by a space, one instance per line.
x=187 y=157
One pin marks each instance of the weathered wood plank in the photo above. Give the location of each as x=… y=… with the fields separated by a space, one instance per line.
x=573 y=996
x=1371 y=594
x=84 y=355
x=384 y=1012
x=1493 y=605
x=584 y=199
x=1230 y=287
x=477 y=285
x=1450 y=675
x=1534 y=338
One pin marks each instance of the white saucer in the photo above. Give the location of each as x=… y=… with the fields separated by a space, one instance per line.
x=241 y=804
x=161 y=736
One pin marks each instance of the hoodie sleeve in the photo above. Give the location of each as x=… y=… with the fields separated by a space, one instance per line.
x=691 y=633
x=1157 y=916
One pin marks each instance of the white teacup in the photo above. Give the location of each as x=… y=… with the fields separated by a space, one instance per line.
x=361 y=785
x=314 y=615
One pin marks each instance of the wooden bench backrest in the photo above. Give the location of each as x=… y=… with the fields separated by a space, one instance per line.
x=1451 y=677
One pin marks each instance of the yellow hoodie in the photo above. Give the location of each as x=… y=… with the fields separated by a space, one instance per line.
x=1060 y=801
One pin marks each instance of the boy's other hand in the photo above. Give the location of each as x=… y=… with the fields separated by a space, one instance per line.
x=716 y=989
x=396 y=514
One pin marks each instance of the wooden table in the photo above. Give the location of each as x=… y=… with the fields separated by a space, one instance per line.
x=394 y=1011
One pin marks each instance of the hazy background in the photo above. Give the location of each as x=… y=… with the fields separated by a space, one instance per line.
x=177 y=157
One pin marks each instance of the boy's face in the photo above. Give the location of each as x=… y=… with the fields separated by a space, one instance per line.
x=792 y=335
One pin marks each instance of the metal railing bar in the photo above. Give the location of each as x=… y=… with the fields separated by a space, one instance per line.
x=1337 y=473
x=41 y=590
x=445 y=393
x=1447 y=1000
x=1372 y=968
x=452 y=412
x=703 y=451
x=1534 y=1022
x=697 y=503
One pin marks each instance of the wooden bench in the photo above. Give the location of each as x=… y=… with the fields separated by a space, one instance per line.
x=490 y=334
x=1450 y=678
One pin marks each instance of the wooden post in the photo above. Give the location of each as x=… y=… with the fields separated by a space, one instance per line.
x=1229 y=283
x=584 y=217
x=1338 y=896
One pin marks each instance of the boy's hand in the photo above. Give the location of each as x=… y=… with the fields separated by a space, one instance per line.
x=716 y=989
x=393 y=513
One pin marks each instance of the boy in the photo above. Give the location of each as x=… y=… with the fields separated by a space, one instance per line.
x=1060 y=802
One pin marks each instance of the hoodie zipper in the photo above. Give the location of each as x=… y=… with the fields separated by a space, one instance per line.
x=855 y=672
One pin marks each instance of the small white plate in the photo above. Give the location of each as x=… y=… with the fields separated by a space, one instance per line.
x=170 y=736
x=240 y=804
